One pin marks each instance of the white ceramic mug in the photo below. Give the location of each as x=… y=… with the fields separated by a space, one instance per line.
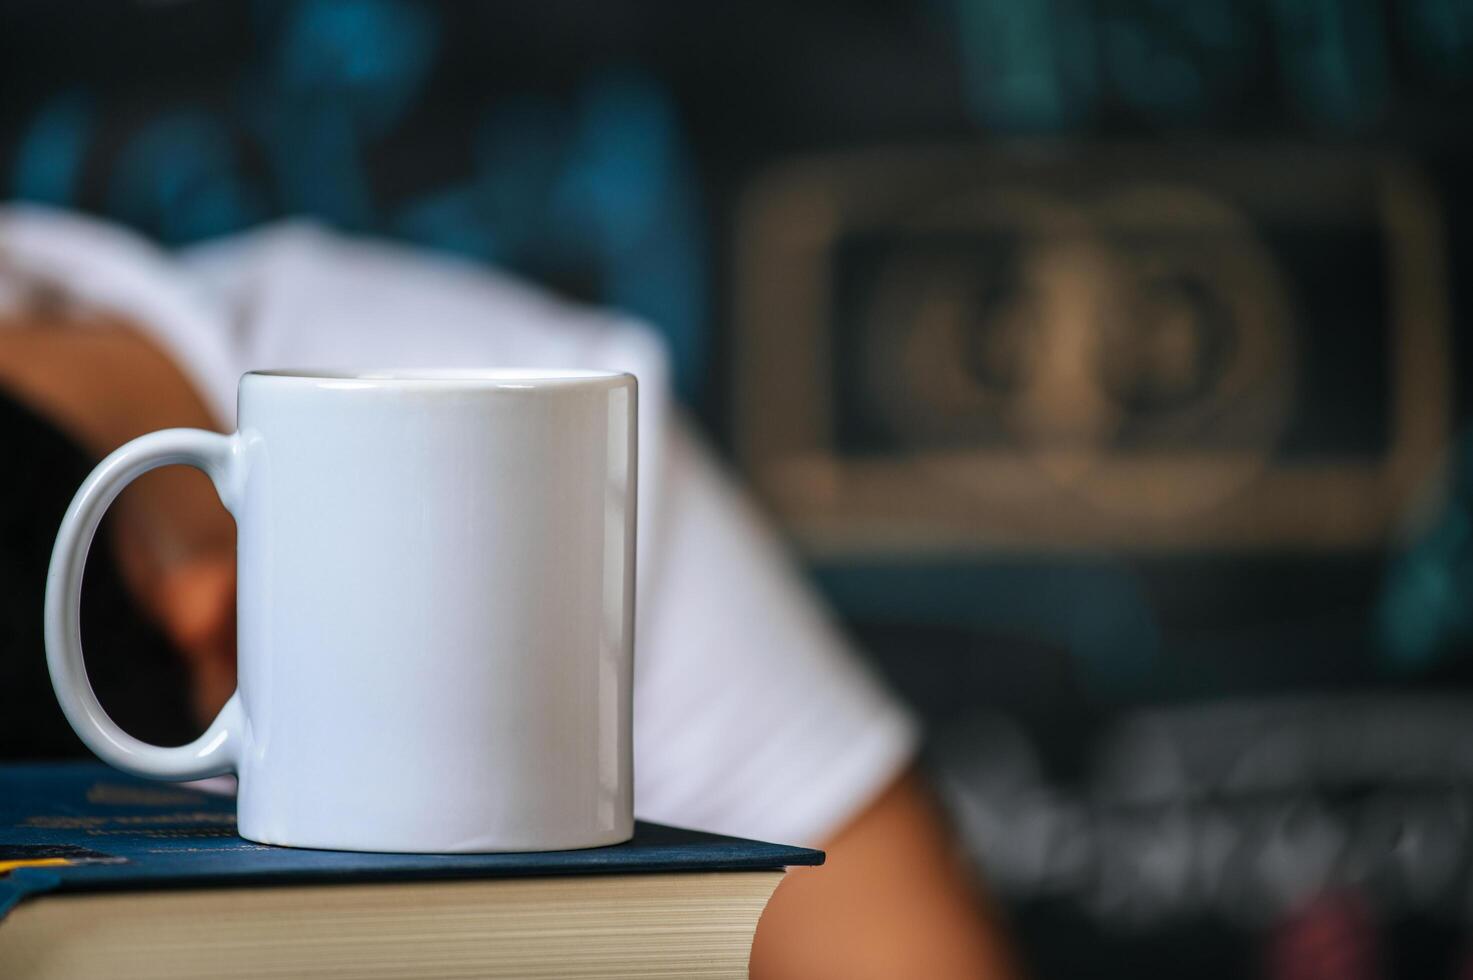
x=436 y=609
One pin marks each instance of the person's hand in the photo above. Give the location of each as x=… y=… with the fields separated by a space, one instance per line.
x=195 y=602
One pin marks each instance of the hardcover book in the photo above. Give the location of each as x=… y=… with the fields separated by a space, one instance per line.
x=102 y=874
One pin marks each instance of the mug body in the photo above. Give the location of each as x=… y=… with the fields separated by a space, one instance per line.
x=436 y=609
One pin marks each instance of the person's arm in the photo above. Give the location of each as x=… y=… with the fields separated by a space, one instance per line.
x=103 y=384
x=894 y=899
x=754 y=717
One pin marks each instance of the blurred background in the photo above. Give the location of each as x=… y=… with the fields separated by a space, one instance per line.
x=1104 y=360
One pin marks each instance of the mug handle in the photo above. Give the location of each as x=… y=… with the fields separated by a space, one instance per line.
x=218 y=750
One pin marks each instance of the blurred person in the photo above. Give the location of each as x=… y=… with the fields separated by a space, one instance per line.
x=751 y=716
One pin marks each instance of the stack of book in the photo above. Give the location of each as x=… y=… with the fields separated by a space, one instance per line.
x=102 y=875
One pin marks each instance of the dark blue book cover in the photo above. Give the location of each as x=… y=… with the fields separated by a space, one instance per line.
x=86 y=827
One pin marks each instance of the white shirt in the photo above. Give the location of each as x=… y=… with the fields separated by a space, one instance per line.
x=751 y=717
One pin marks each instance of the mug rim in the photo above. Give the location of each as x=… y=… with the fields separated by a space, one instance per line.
x=499 y=377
